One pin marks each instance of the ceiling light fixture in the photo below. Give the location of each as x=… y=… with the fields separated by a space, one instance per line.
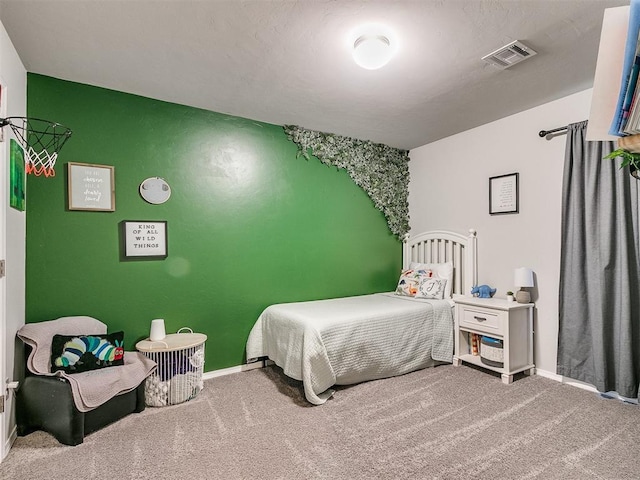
x=372 y=51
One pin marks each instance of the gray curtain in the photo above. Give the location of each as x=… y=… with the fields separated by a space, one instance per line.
x=599 y=331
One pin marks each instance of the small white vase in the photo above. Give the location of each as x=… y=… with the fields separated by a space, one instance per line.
x=510 y=298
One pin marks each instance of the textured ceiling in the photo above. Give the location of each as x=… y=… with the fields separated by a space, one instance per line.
x=289 y=62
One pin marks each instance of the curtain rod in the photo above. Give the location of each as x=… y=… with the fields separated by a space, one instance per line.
x=544 y=133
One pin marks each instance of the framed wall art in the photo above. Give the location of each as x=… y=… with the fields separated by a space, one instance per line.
x=503 y=194
x=16 y=176
x=91 y=187
x=3 y=107
x=145 y=238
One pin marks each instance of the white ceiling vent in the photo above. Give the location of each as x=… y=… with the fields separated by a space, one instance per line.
x=510 y=54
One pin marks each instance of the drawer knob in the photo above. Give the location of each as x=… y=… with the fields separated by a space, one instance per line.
x=480 y=319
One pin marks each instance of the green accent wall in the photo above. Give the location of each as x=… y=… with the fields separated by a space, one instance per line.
x=249 y=224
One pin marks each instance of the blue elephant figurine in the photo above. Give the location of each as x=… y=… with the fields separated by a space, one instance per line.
x=483 y=291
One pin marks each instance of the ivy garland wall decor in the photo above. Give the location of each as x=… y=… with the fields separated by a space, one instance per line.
x=380 y=170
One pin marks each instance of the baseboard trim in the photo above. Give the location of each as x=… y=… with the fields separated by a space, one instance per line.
x=9 y=443
x=547 y=374
x=252 y=366
x=583 y=386
x=566 y=381
x=230 y=370
x=255 y=365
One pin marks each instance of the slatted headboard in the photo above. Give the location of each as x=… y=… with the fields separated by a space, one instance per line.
x=443 y=246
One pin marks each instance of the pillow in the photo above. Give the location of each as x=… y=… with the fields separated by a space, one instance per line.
x=409 y=281
x=431 y=288
x=438 y=270
x=81 y=353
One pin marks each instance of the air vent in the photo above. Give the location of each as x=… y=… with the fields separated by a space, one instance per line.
x=510 y=54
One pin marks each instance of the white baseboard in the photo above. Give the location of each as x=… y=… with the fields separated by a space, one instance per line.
x=547 y=374
x=567 y=381
x=230 y=370
x=582 y=385
x=542 y=373
x=12 y=438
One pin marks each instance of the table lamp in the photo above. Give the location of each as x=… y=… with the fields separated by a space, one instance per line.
x=157 y=330
x=523 y=278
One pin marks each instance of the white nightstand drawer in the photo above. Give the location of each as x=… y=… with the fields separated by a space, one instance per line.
x=480 y=320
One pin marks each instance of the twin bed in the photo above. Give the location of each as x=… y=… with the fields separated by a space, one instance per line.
x=349 y=340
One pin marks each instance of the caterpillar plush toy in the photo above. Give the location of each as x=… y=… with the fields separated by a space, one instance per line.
x=101 y=348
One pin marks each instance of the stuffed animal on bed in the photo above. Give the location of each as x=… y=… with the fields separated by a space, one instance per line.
x=483 y=291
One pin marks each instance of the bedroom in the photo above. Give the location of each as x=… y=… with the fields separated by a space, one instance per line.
x=298 y=221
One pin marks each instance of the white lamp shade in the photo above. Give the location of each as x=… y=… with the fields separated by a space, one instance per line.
x=372 y=51
x=523 y=277
x=157 y=330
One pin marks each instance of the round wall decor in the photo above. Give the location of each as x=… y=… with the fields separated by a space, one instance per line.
x=155 y=190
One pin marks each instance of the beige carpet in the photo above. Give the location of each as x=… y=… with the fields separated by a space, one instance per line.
x=438 y=423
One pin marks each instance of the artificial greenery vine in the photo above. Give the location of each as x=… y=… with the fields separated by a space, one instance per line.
x=380 y=170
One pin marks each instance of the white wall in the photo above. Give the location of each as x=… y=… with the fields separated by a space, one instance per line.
x=449 y=189
x=13 y=230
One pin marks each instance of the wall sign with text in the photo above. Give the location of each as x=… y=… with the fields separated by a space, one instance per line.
x=503 y=194
x=91 y=187
x=145 y=238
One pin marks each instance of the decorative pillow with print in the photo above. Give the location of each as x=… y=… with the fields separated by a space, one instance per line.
x=409 y=282
x=431 y=288
x=81 y=353
x=438 y=270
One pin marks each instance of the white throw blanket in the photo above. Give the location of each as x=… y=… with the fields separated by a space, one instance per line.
x=349 y=340
x=93 y=388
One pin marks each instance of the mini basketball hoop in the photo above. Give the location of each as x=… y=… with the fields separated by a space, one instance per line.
x=41 y=141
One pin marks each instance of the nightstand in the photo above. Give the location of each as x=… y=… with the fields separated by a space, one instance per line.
x=508 y=323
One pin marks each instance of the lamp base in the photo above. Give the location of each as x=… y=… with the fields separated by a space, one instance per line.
x=522 y=296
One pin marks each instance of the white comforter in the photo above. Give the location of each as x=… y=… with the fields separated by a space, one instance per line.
x=349 y=340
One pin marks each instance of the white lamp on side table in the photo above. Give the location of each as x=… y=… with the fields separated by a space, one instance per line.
x=523 y=278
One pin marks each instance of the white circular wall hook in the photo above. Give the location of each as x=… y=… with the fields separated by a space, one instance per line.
x=155 y=190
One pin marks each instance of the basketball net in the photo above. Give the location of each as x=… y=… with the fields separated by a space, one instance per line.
x=41 y=141
x=40 y=163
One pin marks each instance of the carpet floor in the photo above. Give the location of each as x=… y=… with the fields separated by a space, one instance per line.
x=439 y=423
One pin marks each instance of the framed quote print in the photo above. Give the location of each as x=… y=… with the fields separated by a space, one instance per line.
x=145 y=239
x=91 y=187
x=503 y=194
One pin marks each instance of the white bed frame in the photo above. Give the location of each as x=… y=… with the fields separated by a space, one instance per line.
x=443 y=246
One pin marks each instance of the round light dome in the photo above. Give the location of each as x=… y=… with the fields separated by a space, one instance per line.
x=155 y=190
x=372 y=51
